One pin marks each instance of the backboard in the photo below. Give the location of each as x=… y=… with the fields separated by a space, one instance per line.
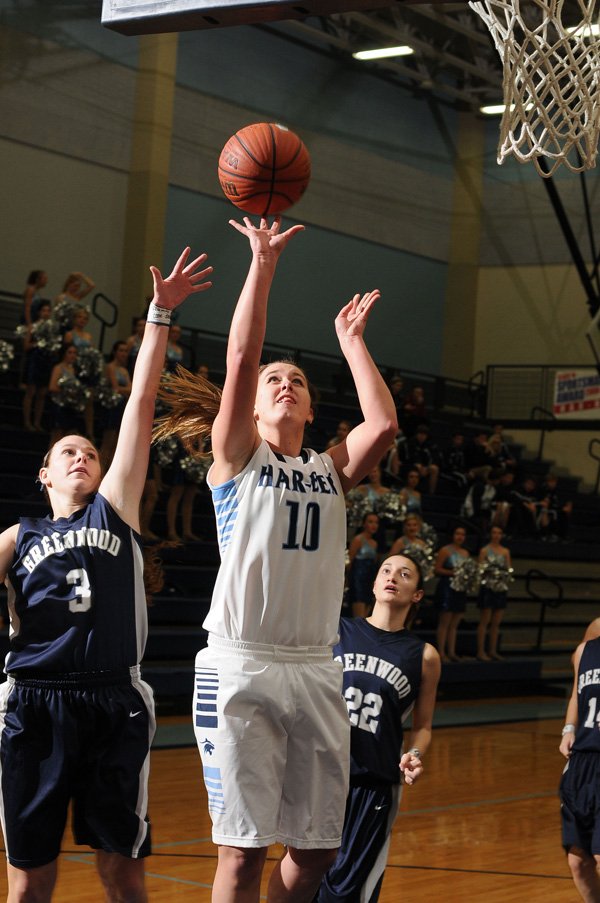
x=154 y=16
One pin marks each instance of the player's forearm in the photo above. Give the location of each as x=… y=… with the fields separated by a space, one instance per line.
x=374 y=397
x=249 y=322
x=419 y=739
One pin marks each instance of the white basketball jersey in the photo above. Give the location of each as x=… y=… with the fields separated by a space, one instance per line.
x=281 y=525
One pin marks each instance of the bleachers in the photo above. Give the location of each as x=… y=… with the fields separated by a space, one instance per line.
x=177 y=613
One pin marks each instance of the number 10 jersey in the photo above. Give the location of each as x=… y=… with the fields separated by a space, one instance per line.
x=281 y=525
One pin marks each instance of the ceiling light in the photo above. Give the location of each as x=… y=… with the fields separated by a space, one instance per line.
x=383 y=52
x=497 y=109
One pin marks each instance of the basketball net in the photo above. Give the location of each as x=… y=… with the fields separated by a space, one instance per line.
x=551 y=81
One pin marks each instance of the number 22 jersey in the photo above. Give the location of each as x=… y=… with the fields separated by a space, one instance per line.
x=382 y=676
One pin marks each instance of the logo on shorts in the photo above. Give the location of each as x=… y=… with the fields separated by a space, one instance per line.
x=208 y=747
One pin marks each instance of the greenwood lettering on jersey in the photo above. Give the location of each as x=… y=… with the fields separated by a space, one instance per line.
x=372 y=664
x=299 y=482
x=588 y=677
x=72 y=539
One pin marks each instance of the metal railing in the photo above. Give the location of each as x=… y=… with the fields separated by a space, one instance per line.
x=545 y=602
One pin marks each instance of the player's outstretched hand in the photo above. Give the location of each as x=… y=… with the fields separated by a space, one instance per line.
x=183 y=281
x=266 y=242
x=352 y=318
x=411 y=767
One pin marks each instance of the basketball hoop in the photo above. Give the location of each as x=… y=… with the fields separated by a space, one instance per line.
x=551 y=80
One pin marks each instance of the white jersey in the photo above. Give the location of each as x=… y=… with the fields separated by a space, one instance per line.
x=281 y=525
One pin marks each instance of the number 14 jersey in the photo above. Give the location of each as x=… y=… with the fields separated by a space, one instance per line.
x=382 y=676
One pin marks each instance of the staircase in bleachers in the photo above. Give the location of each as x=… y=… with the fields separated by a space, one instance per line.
x=177 y=613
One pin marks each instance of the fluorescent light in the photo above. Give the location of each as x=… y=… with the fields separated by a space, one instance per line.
x=382 y=52
x=497 y=109
x=591 y=30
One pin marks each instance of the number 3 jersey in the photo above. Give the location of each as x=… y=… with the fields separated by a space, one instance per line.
x=281 y=525
x=75 y=593
x=382 y=676
x=587 y=737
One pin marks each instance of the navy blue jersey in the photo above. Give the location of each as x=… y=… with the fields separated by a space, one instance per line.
x=75 y=593
x=587 y=737
x=382 y=676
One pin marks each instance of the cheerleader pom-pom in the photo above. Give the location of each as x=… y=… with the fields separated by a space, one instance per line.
x=165 y=451
x=7 y=353
x=71 y=393
x=466 y=577
x=195 y=469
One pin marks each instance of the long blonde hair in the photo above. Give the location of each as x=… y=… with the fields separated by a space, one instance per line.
x=193 y=403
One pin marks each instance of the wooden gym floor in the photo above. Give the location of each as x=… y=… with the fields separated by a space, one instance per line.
x=482 y=824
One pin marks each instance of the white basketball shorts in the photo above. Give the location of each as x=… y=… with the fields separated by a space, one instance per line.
x=274 y=737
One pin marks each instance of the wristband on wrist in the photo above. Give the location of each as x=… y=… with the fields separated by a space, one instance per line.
x=160 y=316
x=415 y=752
x=568 y=729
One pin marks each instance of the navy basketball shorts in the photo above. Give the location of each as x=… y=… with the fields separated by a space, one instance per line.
x=357 y=873
x=274 y=738
x=86 y=738
x=580 y=802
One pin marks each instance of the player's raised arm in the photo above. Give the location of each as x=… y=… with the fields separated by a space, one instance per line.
x=123 y=484
x=234 y=435
x=366 y=443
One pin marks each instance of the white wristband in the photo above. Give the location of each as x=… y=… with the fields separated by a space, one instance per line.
x=161 y=316
x=415 y=752
x=568 y=729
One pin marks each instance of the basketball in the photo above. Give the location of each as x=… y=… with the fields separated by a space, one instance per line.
x=264 y=169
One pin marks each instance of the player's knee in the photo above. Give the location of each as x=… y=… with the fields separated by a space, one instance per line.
x=31 y=885
x=243 y=864
x=581 y=863
x=123 y=879
x=316 y=862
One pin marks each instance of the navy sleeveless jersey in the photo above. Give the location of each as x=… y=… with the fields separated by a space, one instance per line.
x=587 y=737
x=75 y=594
x=382 y=676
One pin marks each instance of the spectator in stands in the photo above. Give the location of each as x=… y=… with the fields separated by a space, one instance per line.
x=454 y=462
x=450 y=603
x=68 y=395
x=525 y=507
x=396 y=385
x=36 y=281
x=117 y=374
x=410 y=538
x=79 y=336
x=414 y=411
x=503 y=499
x=174 y=349
x=555 y=511
x=341 y=432
x=410 y=496
x=480 y=502
x=478 y=455
x=37 y=375
x=76 y=287
x=422 y=457
x=133 y=343
x=492 y=601
x=505 y=456
x=362 y=554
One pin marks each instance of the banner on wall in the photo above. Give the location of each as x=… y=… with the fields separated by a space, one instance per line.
x=576 y=394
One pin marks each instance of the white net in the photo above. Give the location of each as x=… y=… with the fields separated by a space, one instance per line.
x=551 y=82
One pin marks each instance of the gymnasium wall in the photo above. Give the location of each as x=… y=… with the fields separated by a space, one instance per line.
x=378 y=210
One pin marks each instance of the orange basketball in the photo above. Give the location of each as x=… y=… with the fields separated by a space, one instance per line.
x=264 y=169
